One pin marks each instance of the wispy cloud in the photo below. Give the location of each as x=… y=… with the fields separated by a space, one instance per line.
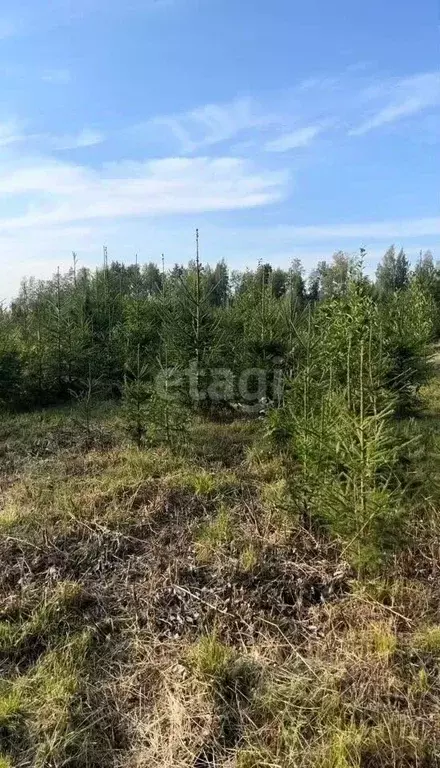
x=85 y=138
x=301 y=137
x=10 y=133
x=50 y=204
x=294 y=119
x=368 y=230
x=60 y=193
x=213 y=124
x=403 y=98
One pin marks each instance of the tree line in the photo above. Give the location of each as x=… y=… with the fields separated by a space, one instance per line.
x=115 y=329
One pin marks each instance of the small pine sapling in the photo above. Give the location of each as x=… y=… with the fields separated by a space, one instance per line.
x=136 y=400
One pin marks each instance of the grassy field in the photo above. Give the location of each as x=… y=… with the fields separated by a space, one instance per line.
x=172 y=611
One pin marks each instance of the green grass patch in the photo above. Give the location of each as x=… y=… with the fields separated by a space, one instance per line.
x=210 y=658
x=215 y=536
x=59 y=610
x=428 y=640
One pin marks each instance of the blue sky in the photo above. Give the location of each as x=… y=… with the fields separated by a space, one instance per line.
x=281 y=129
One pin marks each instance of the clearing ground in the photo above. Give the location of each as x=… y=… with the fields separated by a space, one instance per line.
x=171 y=611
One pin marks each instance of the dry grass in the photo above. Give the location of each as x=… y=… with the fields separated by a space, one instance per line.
x=163 y=611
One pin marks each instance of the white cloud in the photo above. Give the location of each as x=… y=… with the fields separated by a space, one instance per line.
x=302 y=137
x=10 y=133
x=213 y=124
x=69 y=207
x=62 y=193
x=404 y=98
x=85 y=138
x=51 y=206
x=293 y=119
x=368 y=230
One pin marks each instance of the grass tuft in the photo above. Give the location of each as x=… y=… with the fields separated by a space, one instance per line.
x=428 y=640
x=210 y=658
x=215 y=535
